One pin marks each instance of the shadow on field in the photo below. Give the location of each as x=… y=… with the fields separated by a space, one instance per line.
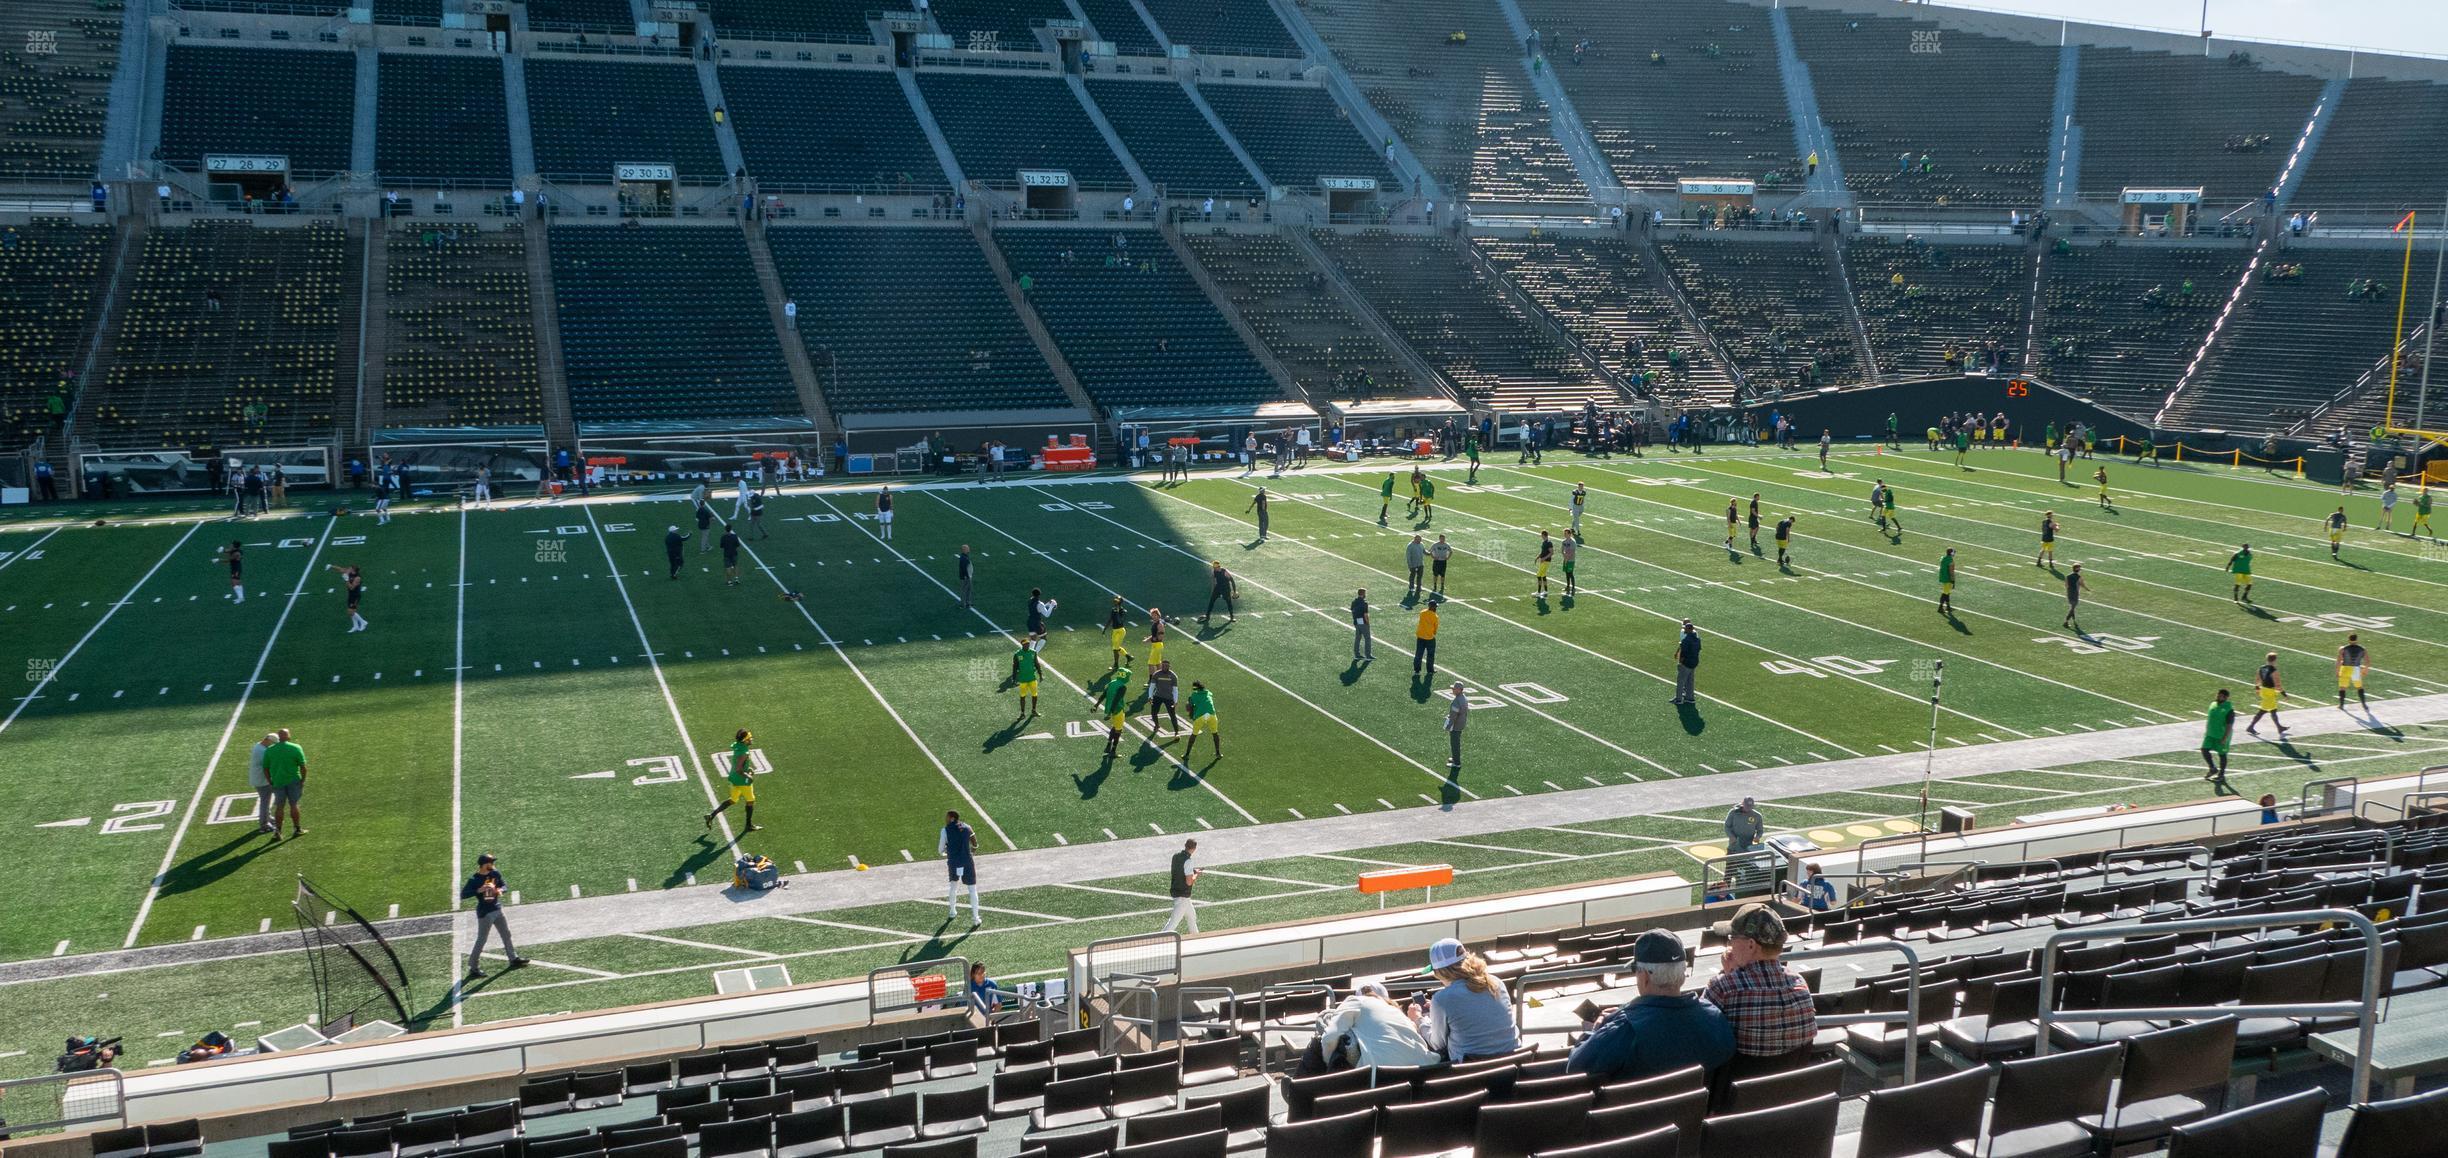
x=1693 y=723
x=708 y=851
x=209 y=866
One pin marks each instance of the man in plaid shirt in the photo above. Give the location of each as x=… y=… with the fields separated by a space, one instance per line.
x=1770 y=1007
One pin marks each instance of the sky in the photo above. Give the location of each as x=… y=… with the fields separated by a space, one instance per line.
x=2419 y=26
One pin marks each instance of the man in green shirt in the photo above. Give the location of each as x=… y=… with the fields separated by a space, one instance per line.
x=1963 y=446
x=1891 y=430
x=1385 y=497
x=1946 y=583
x=2216 y=732
x=1024 y=678
x=1203 y=719
x=2422 y=514
x=1116 y=699
x=743 y=784
x=1427 y=500
x=1470 y=447
x=2239 y=572
x=285 y=771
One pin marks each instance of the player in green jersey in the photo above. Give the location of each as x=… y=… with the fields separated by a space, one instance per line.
x=1116 y=701
x=1024 y=677
x=1946 y=583
x=743 y=784
x=2239 y=574
x=2216 y=732
x=1203 y=719
x=1385 y=497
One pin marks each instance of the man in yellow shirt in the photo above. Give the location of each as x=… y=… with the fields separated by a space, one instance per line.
x=1424 y=651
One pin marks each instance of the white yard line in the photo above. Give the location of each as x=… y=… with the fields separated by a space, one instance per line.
x=852 y=926
x=1145 y=734
x=1450 y=669
x=620 y=583
x=53 y=671
x=1738 y=640
x=1221 y=654
x=1542 y=855
x=36 y=545
x=245 y=692
x=975 y=808
x=458 y=765
x=726 y=950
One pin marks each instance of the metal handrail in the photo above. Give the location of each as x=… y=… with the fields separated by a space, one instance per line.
x=1911 y=1015
x=1284 y=987
x=2303 y=801
x=114 y=1111
x=911 y=970
x=1090 y=982
x=1119 y=988
x=2366 y=1010
x=1186 y=994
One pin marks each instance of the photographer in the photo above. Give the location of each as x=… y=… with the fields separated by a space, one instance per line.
x=485 y=887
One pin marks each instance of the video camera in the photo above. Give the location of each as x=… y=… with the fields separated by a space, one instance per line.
x=88 y=1053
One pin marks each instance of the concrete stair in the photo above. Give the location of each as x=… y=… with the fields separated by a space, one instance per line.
x=794 y=350
x=560 y=426
x=1029 y=321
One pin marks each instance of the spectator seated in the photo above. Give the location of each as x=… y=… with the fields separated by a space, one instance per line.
x=2295 y=341
x=909 y=319
x=50 y=282
x=1920 y=301
x=1671 y=91
x=1172 y=142
x=1437 y=300
x=1771 y=304
x=2118 y=321
x=1977 y=105
x=1599 y=291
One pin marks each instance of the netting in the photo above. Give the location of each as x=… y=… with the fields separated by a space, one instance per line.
x=357 y=976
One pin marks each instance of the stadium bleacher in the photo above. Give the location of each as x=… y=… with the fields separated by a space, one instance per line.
x=1712 y=105
x=214 y=101
x=1136 y=329
x=999 y=125
x=1918 y=300
x=604 y=15
x=1773 y=306
x=56 y=62
x=1007 y=24
x=1295 y=133
x=51 y=276
x=828 y=128
x=460 y=345
x=1303 y=322
x=1596 y=287
x=2160 y=120
x=1224 y=27
x=228 y=335
x=908 y=319
x=666 y=324
x=1977 y=105
x=589 y=116
x=2295 y=341
x=837 y=20
x=2118 y=322
x=427 y=13
x=2379 y=149
x=1173 y=144
x=1459 y=104
x=441 y=118
x=1118 y=22
x=1449 y=311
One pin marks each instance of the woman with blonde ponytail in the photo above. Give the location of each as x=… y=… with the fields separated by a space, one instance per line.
x=1472 y=1015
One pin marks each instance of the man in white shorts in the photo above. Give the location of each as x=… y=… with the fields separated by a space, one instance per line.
x=484 y=485
x=883 y=512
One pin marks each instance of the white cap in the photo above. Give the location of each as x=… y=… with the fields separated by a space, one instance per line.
x=1445 y=954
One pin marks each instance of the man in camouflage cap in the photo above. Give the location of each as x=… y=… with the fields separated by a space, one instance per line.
x=1773 y=1015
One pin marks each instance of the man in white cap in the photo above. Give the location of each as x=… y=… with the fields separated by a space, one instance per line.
x=1662 y=1029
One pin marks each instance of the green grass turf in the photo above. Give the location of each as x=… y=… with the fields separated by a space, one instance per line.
x=879 y=704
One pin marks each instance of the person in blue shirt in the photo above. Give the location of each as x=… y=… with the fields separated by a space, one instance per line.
x=1662 y=1029
x=984 y=995
x=1818 y=892
x=957 y=844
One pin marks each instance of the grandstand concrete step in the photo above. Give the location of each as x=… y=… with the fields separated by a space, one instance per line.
x=1148 y=18
x=1232 y=316
x=794 y=350
x=934 y=132
x=369 y=89
x=1653 y=271
x=1347 y=93
x=1029 y=320
x=124 y=128
x=1831 y=241
x=2065 y=137
x=348 y=353
x=560 y=429
x=1105 y=129
x=374 y=328
x=1360 y=308
x=710 y=82
x=1223 y=133
x=125 y=249
x=514 y=105
x=2315 y=127
x=1530 y=308
x=1563 y=120
x=1825 y=187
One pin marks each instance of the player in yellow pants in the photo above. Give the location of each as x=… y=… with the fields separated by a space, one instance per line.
x=2354 y=663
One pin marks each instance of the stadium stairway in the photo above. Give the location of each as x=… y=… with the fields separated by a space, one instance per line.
x=1029 y=320
x=926 y=123
x=1231 y=314
x=1523 y=302
x=1372 y=124
x=1653 y=270
x=1852 y=305
x=1588 y=163
x=375 y=331
x=560 y=425
x=794 y=349
x=1105 y=129
x=1424 y=372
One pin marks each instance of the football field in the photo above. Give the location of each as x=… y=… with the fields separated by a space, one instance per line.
x=535 y=683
